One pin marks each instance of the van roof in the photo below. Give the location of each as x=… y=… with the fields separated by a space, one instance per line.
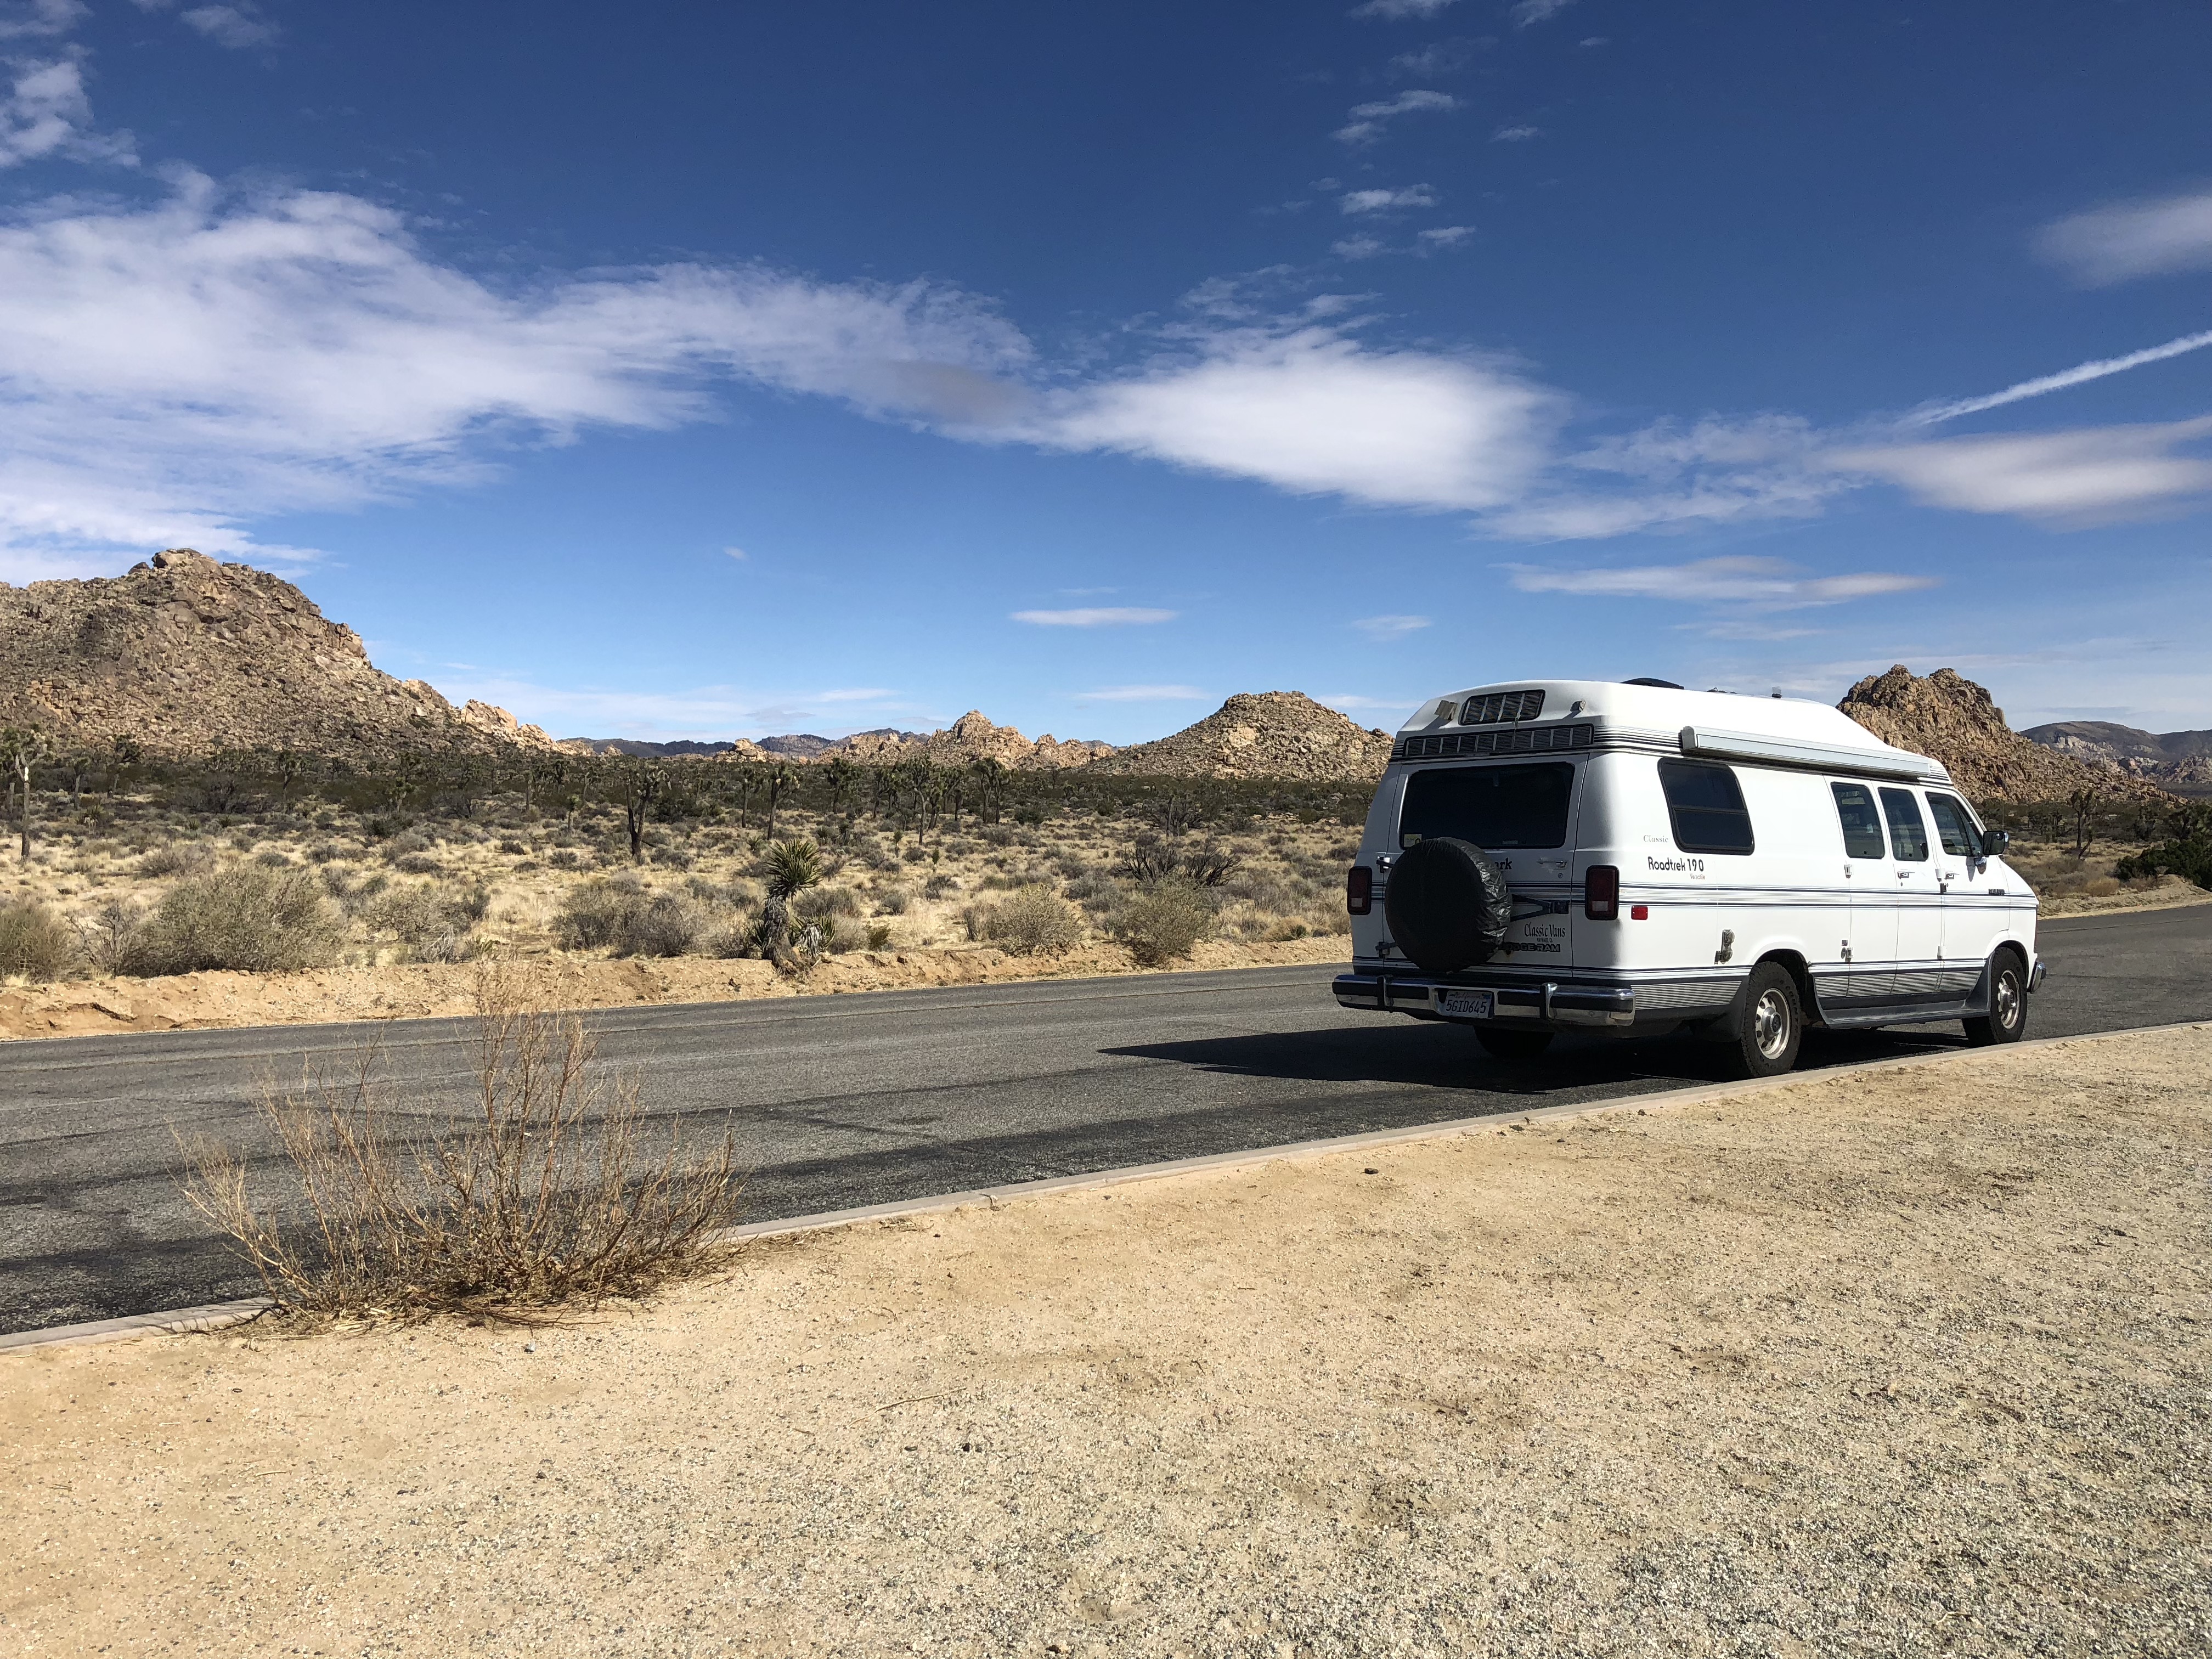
x=1620 y=709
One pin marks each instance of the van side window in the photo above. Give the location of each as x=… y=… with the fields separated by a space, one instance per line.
x=1862 y=822
x=1705 y=803
x=1908 y=833
x=1953 y=827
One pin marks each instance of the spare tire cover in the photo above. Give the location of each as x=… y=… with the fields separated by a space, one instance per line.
x=1448 y=904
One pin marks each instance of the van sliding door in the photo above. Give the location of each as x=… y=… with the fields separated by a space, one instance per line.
x=1869 y=949
x=1918 y=903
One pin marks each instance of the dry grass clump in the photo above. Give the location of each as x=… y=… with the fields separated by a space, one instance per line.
x=241 y=916
x=1033 y=921
x=1163 y=920
x=620 y=915
x=430 y=925
x=35 y=944
x=552 y=1191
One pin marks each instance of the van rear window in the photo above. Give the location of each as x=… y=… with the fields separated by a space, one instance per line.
x=1494 y=806
x=1705 y=803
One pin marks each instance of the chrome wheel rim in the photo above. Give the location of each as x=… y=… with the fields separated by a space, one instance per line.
x=1770 y=1024
x=2008 y=999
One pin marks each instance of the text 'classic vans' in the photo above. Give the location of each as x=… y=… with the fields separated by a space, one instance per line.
x=1635 y=858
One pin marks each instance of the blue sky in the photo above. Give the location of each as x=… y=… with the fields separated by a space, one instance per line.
x=691 y=370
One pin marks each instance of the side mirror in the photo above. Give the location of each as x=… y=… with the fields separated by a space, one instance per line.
x=1994 y=843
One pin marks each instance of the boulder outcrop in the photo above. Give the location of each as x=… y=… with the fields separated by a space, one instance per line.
x=1263 y=734
x=185 y=655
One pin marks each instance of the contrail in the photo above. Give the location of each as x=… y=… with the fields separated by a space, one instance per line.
x=2058 y=382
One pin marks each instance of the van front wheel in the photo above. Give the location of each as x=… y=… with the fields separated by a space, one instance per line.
x=2007 y=1016
x=1773 y=1025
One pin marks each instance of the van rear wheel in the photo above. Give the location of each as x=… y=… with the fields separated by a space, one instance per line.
x=2007 y=1019
x=1772 y=1027
x=1515 y=1048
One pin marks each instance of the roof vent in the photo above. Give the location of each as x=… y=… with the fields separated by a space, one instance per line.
x=1664 y=686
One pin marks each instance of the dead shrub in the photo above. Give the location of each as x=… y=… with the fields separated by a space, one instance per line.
x=553 y=1190
x=241 y=917
x=35 y=944
x=1163 y=920
x=113 y=936
x=431 y=926
x=173 y=860
x=1033 y=921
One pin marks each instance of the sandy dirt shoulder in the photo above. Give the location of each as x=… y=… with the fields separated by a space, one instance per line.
x=1904 y=1361
x=99 y=1007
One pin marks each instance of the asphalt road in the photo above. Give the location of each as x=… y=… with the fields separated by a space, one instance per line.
x=850 y=1100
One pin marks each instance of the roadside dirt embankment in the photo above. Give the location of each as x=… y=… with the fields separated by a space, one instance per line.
x=1911 y=1360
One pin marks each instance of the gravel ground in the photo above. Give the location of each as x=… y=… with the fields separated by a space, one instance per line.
x=1910 y=1361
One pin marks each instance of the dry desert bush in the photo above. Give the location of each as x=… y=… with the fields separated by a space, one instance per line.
x=554 y=1190
x=1033 y=921
x=34 y=943
x=1163 y=920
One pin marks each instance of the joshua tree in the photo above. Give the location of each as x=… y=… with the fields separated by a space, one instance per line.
x=540 y=768
x=2082 y=803
x=841 y=775
x=22 y=748
x=641 y=786
x=991 y=776
x=778 y=781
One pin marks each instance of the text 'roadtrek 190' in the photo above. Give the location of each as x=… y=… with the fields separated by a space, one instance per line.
x=1635 y=858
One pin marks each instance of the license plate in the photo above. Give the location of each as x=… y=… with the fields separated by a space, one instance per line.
x=1469 y=1004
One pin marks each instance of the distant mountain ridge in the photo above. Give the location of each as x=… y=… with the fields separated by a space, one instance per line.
x=2179 y=761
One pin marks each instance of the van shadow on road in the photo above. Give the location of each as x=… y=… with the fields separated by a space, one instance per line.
x=1444 y=1057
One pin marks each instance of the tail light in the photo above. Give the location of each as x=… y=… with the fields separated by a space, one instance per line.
x=1601 y=893
x=1359 y=890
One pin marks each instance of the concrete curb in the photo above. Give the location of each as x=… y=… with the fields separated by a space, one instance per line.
x=223 y=1315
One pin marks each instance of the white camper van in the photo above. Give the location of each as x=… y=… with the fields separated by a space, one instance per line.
x=1636 y=857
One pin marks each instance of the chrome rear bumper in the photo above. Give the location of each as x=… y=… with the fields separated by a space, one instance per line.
x=1557 y=1003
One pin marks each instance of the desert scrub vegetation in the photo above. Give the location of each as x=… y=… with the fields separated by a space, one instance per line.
x=35 y=944
x=433 y=860
x=1033 y=921
x=552 y=1189
x=241 y=916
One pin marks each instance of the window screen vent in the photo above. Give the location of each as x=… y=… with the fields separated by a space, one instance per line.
x=1542 y=740
x=1501 y=706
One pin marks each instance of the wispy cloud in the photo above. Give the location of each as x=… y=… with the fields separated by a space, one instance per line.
x=1353 y=702
x=1446 y=235
x=1142 y=694
x=1355 y=248
x=1383 y=201
x=737 y=553
x=1756 y=583
x=238 y=28
x=44 y=113
x=1384 y=629
x=1391 y=10
x=1103 y=615
x=1437 y=58
x=2081 y=373
x=1530 y=12
x=1516 y=134
x=1366 y=120
x=2086 y=476
x=710 y=712
x=2143 y=238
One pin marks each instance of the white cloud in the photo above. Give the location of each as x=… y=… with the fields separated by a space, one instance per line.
x=235 y=27
x=2088 y=475
x=1447 y=235
x=2145 y=238
x=1314 y=413
x=1758 y=584
x=1142 y=694
x=23 y=20
x=1355 y=248
x=737 y=553
x=44 y=113
x=1353 y=702
x=1103 y=615
x=1384 y=629
x=1366 y=120
x=1516 y=134
x=711 y=712
x=168 y=370
x=1394 y=10
x=1441 y=58
x=1380 y=201
x=1530 y=12
x=2077 y=375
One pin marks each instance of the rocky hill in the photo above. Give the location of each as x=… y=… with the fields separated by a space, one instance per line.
x=968 y=739
x=185 y=655
x=1948 y=717
x=1264 y=734
x=2179 y=761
